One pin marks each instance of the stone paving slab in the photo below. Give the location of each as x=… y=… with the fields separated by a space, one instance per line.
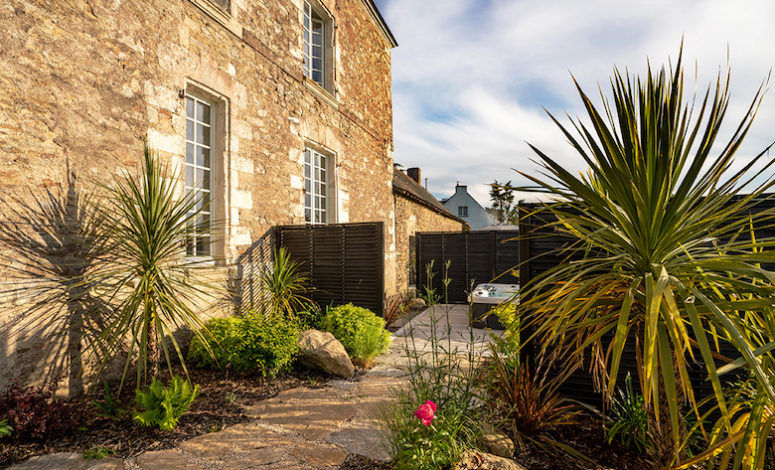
x=311 y=413
x=69 y=461
x=168 y=459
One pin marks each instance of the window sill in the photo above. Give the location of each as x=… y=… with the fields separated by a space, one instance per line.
x=321 y=92
x=220 y=15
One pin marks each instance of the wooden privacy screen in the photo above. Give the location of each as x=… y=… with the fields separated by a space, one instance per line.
x=474 y=258
x=344 y=262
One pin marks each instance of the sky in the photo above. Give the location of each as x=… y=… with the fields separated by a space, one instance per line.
x=471 y=78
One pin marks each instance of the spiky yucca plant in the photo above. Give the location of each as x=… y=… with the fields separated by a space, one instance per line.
x=649 y=218
x=285 y=285
x=148 y=279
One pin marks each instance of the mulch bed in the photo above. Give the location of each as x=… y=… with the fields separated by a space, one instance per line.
x=219 y=404
x=357 y=462
x=589 y=439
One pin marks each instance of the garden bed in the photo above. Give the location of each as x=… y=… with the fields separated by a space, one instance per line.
x=220 y=403
x=589 y=439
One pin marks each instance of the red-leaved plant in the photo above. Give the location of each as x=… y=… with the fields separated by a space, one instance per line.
x=34 y=413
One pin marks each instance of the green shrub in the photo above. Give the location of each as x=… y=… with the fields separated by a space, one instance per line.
x=630 y=418
x=5 y=428
x=254 y=343
x=163 y=406
x=361 y=332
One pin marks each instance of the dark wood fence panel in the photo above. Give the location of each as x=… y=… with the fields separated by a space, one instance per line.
x=344 y=262
x=474 y=258
x=540 y=249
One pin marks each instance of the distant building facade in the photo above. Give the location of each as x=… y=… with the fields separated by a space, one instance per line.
x=465 y=206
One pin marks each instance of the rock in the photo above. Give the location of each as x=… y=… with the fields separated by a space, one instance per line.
x=321 y=350
x=416 y=303
x=476 y=460
x=497 y=443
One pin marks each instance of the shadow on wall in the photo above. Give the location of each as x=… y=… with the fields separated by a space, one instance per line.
x=49 y=311
x=247 y=290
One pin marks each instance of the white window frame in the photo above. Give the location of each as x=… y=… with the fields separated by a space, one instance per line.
x=210 y=212
x=315 y=15
x=312 y=167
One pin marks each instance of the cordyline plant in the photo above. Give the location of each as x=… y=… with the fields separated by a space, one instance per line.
x=147 y=278
x=661 y=200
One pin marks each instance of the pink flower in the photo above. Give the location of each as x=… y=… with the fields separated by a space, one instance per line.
x=426 y=412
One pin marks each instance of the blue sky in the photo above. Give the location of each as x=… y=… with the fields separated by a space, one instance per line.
x=470 y=77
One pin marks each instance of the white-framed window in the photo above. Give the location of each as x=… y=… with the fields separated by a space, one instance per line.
x=318 y=180
x=200 y=172
x=317 y=33
x=462 y=211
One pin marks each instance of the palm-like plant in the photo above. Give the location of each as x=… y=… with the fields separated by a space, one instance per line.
x=285 y=285
x=148 y=279
x=648 y=219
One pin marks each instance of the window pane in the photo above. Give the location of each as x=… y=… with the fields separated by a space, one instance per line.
x=307 y=215
x=203 y=246
x=203 y=157
x=189 y=130
x=203 y=112
x=317 y=77
x=307 y=186
x=190 y=153
x=306 y=157
x=189 y=107
x=204 y=201
x=190 y=177
x=203 y=134
x=203 y=178
x=323 y=217
x=308 y=200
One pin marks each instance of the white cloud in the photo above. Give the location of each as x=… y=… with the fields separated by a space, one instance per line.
x=470 y=76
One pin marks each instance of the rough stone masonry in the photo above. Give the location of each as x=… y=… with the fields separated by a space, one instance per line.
x=82 y=82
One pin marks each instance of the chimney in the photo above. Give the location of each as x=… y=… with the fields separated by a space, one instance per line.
x=414 y=173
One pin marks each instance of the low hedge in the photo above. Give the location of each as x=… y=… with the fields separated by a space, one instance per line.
x=253 y=343
x=361 y=332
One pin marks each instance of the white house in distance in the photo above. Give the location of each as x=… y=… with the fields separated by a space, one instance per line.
x=465 y=206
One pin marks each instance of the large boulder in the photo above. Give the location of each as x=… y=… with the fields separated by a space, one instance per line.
x=322 y=351
x=476 y=460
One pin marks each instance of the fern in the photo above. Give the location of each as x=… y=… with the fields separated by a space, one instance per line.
x=5 y=428
x=163 y=406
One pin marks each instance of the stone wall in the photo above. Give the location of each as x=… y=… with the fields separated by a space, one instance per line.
x=85 y=81
x=413 y=217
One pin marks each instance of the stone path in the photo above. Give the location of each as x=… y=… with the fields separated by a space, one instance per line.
x=300 y=428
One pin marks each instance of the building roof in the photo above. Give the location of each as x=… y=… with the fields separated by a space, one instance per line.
x=372 y=7
x=408 y=188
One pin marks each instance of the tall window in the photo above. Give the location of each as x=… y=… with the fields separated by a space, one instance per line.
x=200 y=128
x=316 y=186
x=462 y=211
x=315 y=60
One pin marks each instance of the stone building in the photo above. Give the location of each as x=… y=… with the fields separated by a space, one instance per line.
x=280 y=110
x=416 y=211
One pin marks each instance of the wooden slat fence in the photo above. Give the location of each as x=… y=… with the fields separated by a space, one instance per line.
x=344 y=262
x=474 y=258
